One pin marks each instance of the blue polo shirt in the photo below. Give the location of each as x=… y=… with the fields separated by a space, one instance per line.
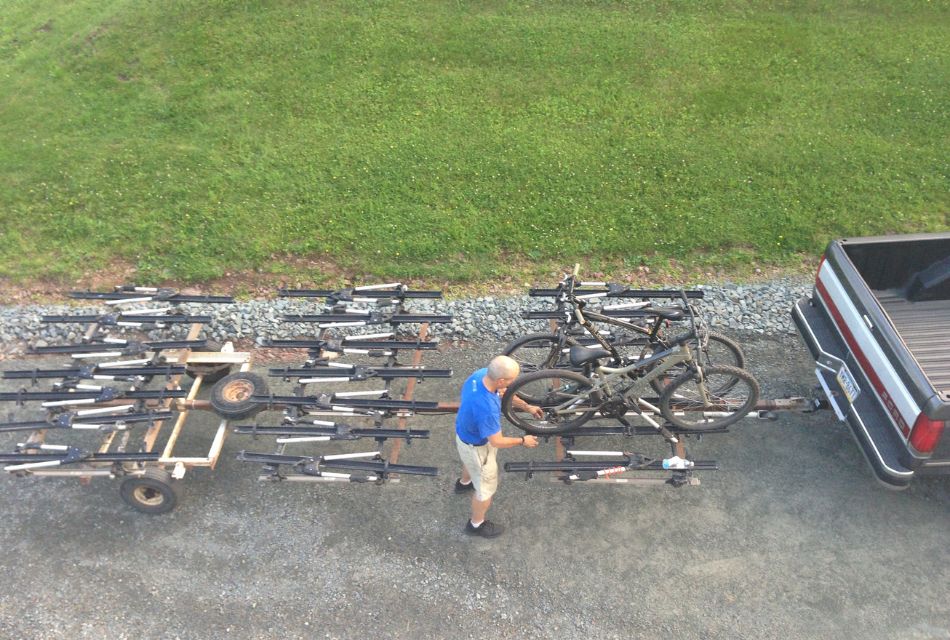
x=479 y=413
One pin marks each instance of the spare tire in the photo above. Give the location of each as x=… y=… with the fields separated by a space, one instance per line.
x=231 y=396
x=209 y=372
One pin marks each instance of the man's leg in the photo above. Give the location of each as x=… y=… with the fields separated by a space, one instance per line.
x=466 y=476
x=479 y=509
x=488 y=483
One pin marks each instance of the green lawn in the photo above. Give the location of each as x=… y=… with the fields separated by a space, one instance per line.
x=451 y=139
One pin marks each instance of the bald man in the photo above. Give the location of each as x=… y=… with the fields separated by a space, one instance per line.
x=478 y=438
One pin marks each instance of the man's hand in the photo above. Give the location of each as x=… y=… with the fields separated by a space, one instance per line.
x=534 y=410
x=530 y=441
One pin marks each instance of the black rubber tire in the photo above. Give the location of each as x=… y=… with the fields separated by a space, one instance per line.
x=154 y=492
x=231 y=396
x=728 y=354
x=212 y=373
x=576 y=384
x=548 y=354
x=534 y=352
x=212 y=376
x=739 y=399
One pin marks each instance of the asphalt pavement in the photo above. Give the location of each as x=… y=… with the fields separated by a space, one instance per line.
x=791 y=538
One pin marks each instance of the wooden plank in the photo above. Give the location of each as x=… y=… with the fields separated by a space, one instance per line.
x=216 y=357
x=217 y=444
x=402 y=423
x=151 y=434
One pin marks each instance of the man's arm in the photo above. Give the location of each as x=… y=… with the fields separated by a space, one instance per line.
x=521 y=405
x=500 y=441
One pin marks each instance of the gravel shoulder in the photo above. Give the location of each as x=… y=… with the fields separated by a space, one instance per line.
x=761 y=309
x=792 y=538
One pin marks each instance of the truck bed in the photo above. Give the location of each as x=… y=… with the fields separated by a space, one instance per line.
x=924 y=327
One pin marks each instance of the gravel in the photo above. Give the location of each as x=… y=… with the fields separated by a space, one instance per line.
x=762 y=309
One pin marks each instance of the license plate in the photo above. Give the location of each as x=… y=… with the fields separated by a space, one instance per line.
x=847 y=383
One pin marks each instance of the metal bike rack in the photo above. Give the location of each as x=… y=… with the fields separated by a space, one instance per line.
x=329 y=417
x=149 y=472
x=128 y=391
x=677 y=470
x=609 y=467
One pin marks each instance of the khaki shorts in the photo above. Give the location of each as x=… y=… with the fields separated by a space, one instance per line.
x=482 y=465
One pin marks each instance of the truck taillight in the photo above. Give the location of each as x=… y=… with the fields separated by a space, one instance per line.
x=818 y=270
x=926 y=433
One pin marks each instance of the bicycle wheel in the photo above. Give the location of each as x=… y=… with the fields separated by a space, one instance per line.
x=564 y=395
x=718 y=351
x=534 y=352
x=691 y=403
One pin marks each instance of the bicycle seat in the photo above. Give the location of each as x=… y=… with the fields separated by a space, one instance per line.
x=667 y=313
x=583 y=355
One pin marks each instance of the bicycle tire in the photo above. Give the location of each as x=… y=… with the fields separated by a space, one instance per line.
x=551 y=352
x=727 y=352
x=682 y=403
x=557 y=393
x=534 y=352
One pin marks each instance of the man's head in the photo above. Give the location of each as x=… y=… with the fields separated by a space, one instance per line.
x=502 y=371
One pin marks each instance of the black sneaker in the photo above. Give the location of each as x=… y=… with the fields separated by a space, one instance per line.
x=464 y=488
x=486 y=529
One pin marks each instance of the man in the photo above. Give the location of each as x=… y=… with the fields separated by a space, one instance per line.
x=478 y=438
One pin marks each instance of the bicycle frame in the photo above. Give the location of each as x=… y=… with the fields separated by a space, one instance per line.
x=584 y=319
x=603 y=384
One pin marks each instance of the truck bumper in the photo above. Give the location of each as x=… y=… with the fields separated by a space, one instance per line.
x=869 y=423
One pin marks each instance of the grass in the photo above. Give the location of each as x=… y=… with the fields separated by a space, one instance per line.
x=452 y=139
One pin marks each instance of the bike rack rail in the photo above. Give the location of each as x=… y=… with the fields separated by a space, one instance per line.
x=609 y=290
x=382 y=304
x=311 y=468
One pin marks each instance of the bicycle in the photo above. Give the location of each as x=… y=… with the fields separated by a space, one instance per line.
x=538 y=351
x=697 y=397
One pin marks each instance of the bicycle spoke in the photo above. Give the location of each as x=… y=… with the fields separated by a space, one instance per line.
x=563 y=395
x=693 y=403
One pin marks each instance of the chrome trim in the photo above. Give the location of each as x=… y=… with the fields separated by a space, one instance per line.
x=814 y=340
x=877 y=453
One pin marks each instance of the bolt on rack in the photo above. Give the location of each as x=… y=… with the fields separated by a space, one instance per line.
x=328 y=417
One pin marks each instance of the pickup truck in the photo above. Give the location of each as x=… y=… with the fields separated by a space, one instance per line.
x=878 y=327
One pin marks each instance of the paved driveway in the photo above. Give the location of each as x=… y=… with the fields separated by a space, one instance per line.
x=791 y=539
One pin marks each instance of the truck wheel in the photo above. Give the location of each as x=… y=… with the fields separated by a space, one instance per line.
x=231 y=396
x=153 y=492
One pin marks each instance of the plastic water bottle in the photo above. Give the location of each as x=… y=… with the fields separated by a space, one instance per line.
x=677 y=462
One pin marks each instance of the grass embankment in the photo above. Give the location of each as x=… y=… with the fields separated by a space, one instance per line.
x=450 y=139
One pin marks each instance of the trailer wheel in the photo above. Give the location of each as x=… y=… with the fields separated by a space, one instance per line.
x=231 y=396
x=153 y=492
x=211 y=372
